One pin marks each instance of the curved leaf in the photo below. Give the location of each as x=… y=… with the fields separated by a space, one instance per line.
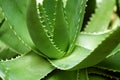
x=74 y=14
x=91 y=40
x=103 y=72
x=10 y=39
x=31 y=66
x=6 y=52
x=15 y=12
x=62 y=75
x=61 y=36
x=100 y=20
x=50 y=11
x=111 y=63
x=38 y=34
x=98 y=77
x=85 y=58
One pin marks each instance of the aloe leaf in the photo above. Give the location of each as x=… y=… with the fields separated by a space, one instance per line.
x=68 y=75
x=44 y=19
x=10 y=39
x=112 y=40
x=50 y=12
x=61 y=36
x=86 y=58
x=98 y=77
x=98 y=17
x=28 y=66
x=111 y=63
x=62 y=75
x=83 y=74
x=72 y=60
x=103 y=72
x=89 y=11
x=91 y=40
x=74 y=14
x=15 y=12
x=117 y=49
x=6 y=52
x=39 y=35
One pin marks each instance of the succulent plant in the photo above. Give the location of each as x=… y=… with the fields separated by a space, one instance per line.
x=59 y=40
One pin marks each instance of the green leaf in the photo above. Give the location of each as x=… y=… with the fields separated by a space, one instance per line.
x=100 y=20
x=50 y=12
x=74 y=14
x=15 y=12
x=116 y=50
x=91 y=40
x=61 y=36
x=103 y=72
x=62 y=75
x=39 y=34
x=31 y=66
x=89 y=11
x=111 y=63
x=13 y=41
x=6 y=52
x=83 y=74
x=68 y=75
x=98 y=77
x=82 y=58
x=68 y=62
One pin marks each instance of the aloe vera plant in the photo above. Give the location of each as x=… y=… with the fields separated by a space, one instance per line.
x=59 y=40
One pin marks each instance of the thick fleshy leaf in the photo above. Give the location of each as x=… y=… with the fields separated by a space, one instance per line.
x=83 y=74
x=103 y=72
x=50 y=11
x=86 y=58
x=6 y=52
x=61 y=36
x=91 y=40
x=31 y=66
x=89 y=11
x=13 y=41
x=77 y=56
x=9 y=37
x=111 y=63
x=68 y=75
x=74 y=14
x=95 y=57
x=117 y=49
x=39 y=35
x=100 y=20
x=98 y=77
x=62 y=75
x=15 y=13
x=44 y=19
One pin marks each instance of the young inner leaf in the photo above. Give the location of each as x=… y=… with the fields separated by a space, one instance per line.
x=39 y=34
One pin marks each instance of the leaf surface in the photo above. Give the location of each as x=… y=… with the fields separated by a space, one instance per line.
x=74 y=14
x=39 y=34
x=10 y=39
x=31 y=66
x=102 y=15
x=85 y=58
